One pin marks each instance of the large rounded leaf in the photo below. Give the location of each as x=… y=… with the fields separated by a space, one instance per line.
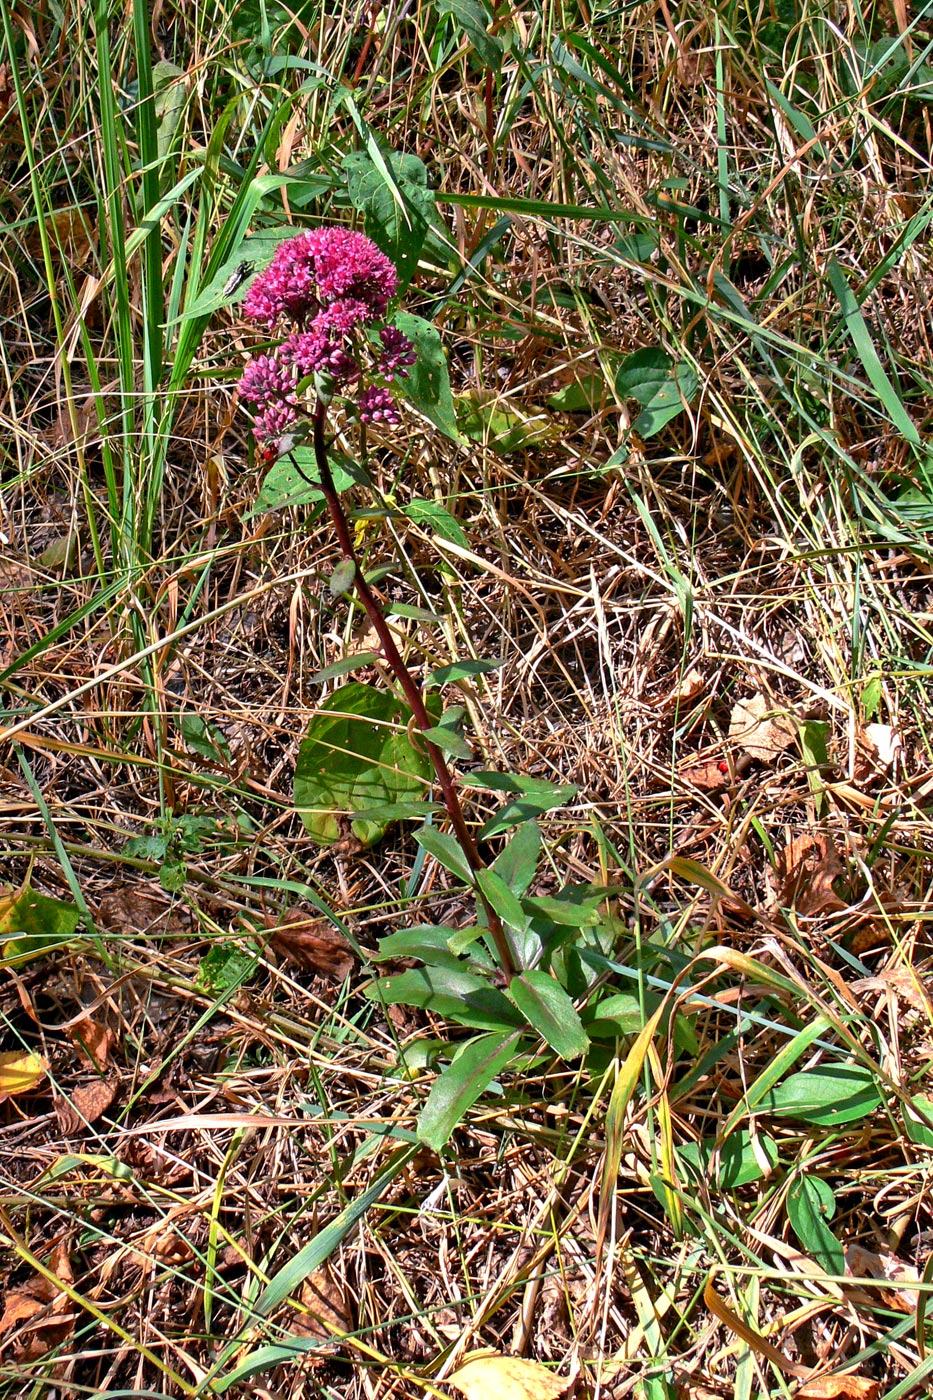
x=357 y=756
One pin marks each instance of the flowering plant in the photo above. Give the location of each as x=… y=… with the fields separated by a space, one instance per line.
x=327 y=293
x=332 y=288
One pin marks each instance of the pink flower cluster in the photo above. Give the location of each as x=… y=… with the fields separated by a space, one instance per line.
x=330 y=284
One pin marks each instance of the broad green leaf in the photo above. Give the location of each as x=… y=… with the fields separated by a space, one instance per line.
x=919 y=1125
x=203 y=738
x=447 y=850
x=226 y=966
x=549 y=1010
x=428 y=384
x=447 y=734
x=32 y=924
x=810 y=1206
x=556 y=793
x=504 y=429
x=829 y=1096
x=433 y=514
x=395 y=218
x=517 y=862
x=342 y=579
x=455 y=993
x=460 y=1085
x=168 y=81
x=341 y=668
x=429 y=942
x=294 y=481
x=502 y=900
x=356 y=755
x=470 y=17
x=574 y=907
x=620 y=1014
x=458 y=671
x=736 y=1163
x=650 y=377
x=584 y=395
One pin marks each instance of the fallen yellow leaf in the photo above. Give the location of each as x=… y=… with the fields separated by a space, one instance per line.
x=492 y=1376
x=19 y=1073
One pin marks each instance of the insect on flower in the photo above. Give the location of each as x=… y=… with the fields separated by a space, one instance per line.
x=236 y=279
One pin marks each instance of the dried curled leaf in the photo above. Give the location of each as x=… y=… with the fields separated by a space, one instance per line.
x=839 y=1388
x=492 y=1376
x=312 y=944
x=328 y=1311
x=760 y=729
x=807 y=869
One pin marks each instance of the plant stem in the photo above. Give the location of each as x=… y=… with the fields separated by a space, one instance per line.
x=410 y=687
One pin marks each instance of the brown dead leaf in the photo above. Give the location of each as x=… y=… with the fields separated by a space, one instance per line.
x=806 y=870
x=865 y=1263
x=85 y=1105
x=328 y=1314
x=130 y=910
x=313 y=944
x=19 y=1073
x=712 y=776
x=492 y=1376
x=839 y=1388
x=37 y=1313
x=688 y=687
x=92 y=1041
x=760 y=729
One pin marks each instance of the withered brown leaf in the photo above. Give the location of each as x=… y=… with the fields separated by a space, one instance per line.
x=313 y=944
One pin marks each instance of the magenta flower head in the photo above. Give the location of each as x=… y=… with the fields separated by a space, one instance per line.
x=329 y=285
x=317 y=269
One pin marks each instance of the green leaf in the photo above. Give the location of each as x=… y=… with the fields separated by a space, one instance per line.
x=433 y=514
x=810 y=1205
x=918 y=1127
x=584 y=395
x=505 y=430
x=735 y=1164
x=516 y=782
x=168 y=81
x=461 y=996
x=620 y=1014
x=203 y=738
x=549 y=1010
x=651 y=378
x=470 y=17
x=458 y=671
x=396 y=204
x=32 y=924
x=429 y=942
x=574 y=907
x=523 y=809
x=428 y=384
x=448 y=740
x=502 y=900
x=172 y=875
x=294 y=481
x=517 y=862
x=356 y=755
x=226 y=966
x=813 y=746
x=828 y=1096
x=343 y=578
x=447 y=850
x=868 y=355
x=341 y=668
x=460 y=1085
